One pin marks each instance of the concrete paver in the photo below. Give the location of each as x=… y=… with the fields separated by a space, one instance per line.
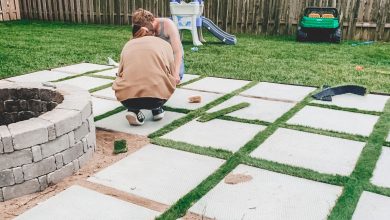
x=158 y=173
x=268 y=195
x=179 y=99
x=118 y=122
x=109 y=73
x=101 y=106
x=258 y=109
x=221 y=134
x=372 y=206
x=106 y=93
x=41 y=76
x=219 y=85
x=86 y=82
x=312 y=151
x=81 y=68
x=188 y=77
x=369 y=102
x=4 y=82
x=279 y=91
x=79 y=203
x=335 y=120
x=381 y=175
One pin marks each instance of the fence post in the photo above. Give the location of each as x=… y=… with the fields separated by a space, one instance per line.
x=264 y=25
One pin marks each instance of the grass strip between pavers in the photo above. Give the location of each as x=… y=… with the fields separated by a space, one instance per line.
x=294 y=171
x=343 y=135
x=246 y=121
x=178 y=110
x=210 y=116
x=378 y=189
x=207 y=151
x=180 y=208
x=355 y=110
x=191 y=81
x=101 y=77
x=363 y=172
x=100 y=87
x=107 y=114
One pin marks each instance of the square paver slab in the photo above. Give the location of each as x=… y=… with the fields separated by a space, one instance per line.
x=258 y=109
x=219 y=85
x=372 y=206
x=334 y=120
x=188 y=77
x=312 y=151
x=5 y=82
x=110 y=72
x=41 y=76
x=368 y=102
x=81 y=68
x=118 y=122
x=179 y=99
x=268 y=195
x=279 y=91
x=158 y=173
x=80 y=203
x=107 y=93
x=101 y=106
x=221 y=134
x=381 y=176
x=86 y=82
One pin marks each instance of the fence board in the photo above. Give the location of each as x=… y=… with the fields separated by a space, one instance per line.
x=40 y=9
x=9 y=10
x=84 y=8
x=3 y=11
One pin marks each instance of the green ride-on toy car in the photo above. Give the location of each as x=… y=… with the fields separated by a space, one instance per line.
x=320 y=24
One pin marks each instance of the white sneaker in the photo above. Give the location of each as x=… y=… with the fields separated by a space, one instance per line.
x=158 y=114
x=135 y=119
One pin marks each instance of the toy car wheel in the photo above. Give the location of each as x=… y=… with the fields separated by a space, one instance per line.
x=301 y=36
x=337 y=35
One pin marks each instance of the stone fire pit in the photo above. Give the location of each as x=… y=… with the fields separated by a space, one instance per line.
x=47 y=133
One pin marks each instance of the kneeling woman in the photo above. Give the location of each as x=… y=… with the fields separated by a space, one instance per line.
x=145 y=77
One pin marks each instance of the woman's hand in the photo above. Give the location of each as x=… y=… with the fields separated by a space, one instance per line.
x=177 y=80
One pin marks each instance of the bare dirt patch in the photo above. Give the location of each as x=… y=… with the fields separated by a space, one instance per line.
x=237 y=178
x=102 y=158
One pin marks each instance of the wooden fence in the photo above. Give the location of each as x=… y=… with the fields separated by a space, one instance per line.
x=9 y=10
x=361 y=19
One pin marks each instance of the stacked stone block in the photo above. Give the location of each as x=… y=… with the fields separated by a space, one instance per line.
x=42 y=150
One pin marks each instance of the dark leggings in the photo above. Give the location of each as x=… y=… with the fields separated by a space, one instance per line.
x=137 y=104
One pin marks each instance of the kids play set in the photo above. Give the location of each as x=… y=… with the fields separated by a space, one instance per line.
x=188 y=16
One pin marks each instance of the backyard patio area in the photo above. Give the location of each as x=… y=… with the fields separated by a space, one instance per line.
x=282 y=155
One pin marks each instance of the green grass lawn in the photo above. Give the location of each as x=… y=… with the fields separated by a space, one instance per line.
x=31 y=46
x=27 y=46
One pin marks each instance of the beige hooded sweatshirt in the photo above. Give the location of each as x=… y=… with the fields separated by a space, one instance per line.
x=145 y=70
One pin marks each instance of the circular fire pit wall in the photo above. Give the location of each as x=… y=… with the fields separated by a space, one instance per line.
x=46 y=134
